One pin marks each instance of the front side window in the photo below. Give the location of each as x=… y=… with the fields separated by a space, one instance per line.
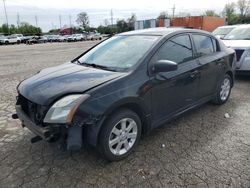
x=203 y=44
x=177 y=49
x=119 y=52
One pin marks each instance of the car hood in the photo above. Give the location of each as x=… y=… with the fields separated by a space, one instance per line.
x=53 y=83
x=237 y=43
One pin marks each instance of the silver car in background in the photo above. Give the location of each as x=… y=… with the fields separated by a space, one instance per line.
x=222 y=31
x=239 y=40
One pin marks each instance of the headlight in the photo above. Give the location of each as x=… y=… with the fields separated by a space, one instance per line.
x=63 y=110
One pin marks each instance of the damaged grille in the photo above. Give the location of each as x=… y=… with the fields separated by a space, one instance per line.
x=34 y=111
x=239 y=54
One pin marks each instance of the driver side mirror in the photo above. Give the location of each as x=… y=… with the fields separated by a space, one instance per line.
x=164 y=66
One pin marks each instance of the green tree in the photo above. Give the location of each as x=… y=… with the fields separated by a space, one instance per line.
x=163 y=15
x=211 y=13
x=4 y=29
x=229 y=13
x=122 y=26
x=83 y=19
x=131 y=22
x=244 y=8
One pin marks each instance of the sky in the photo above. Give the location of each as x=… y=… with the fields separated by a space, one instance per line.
x=48 y=11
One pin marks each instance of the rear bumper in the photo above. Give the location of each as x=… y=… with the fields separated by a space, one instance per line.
x=43 y=132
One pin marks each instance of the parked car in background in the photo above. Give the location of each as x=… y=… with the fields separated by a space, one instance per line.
x=71 y=38
x=239 y=40
x=124 y=87
x=94 y=36
x=10 y=40
x=52 y=38
x=19 y=36
x=62 y=38
x=37 y=39
x=26 y=38
x=2 y=38
x=79 y=37
x=222 y=31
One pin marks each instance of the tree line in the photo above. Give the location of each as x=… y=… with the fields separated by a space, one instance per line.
x=23 y=28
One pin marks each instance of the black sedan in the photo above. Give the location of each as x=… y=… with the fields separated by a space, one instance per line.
x=124 y=87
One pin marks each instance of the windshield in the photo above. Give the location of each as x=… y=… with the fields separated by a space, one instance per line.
x=119 y=52
x=239 y=34
x=222 y=31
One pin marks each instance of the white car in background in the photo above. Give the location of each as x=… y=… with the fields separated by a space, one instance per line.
x=94 y=36
x=222 y=31
x=239 y=40
x=10 y=40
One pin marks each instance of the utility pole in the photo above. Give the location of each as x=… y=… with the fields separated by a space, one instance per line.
x=173 y=10
x=18 y=20
x=111 y=17
x=6 y=16
x=36 y=20
x=69 y=20
x=60 y=21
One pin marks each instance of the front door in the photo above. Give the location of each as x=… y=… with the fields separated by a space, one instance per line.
x=176 y=90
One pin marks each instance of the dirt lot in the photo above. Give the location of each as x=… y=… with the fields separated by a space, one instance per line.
x=202 y=148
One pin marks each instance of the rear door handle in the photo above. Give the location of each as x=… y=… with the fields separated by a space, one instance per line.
x=194 y=73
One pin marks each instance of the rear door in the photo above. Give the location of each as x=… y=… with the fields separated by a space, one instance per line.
x=176 y=90
x=211 y=62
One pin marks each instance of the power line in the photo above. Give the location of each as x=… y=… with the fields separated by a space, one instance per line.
x=60 y=21
x=111 y=17
x=36 y=20
x=70 y=21
x=18 y=20
x=173 y=10
x=6 y=15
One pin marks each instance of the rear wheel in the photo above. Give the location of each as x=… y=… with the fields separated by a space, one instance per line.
x=120 y=135
x=223 y=91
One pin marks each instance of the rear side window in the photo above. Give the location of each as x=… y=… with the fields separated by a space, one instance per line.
x=203 y=44
x=177 y=49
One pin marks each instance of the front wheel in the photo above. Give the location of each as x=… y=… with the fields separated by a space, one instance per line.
x=223 y=91
x=120 y=135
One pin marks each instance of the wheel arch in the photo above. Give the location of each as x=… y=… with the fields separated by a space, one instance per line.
x=135 y=106
x=230 y=73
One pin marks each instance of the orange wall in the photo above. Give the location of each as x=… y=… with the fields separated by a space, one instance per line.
x=198 y=22
x=211 y=23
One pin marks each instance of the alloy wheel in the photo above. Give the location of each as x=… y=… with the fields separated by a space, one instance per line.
x=225 y=89
x=123 y=136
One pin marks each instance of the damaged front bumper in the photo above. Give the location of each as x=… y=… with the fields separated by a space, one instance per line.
x=43 y=132
x=69 y=136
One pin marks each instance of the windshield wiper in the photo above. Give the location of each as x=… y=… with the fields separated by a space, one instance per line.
x=97 y=66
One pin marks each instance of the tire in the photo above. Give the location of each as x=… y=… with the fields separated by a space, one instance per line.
x=124 y=138
x=223 y=91
x=18 y=42
x=6 y=42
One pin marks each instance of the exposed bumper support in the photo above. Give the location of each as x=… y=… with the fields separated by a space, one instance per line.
x=40 y=131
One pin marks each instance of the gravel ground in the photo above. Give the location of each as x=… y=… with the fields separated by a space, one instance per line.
x=202 y=148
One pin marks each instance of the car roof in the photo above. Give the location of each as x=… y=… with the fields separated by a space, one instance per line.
x=161 y=31
x=228 y=26
x=244 y=26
